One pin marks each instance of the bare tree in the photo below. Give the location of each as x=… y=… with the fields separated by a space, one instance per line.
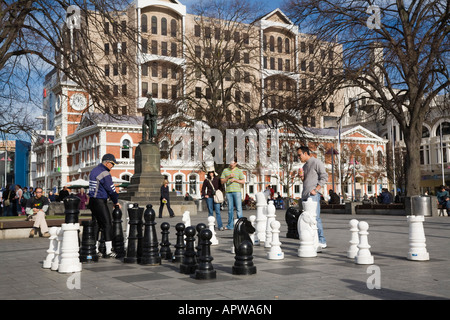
x=396 y=52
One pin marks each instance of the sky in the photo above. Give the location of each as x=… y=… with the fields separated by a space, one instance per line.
x=265 y=5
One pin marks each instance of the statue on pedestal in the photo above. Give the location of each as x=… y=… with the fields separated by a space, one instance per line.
x=149 y=126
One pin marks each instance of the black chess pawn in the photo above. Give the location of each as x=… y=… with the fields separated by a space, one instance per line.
x=179 y=246
x=199 y=229
x=243 y=264
x=150 y=250
x=88 y=248
x=205 y=269
x=135 y=215
x=291 y=218
x=117 y=233
x=165 y=251
x=189 y=263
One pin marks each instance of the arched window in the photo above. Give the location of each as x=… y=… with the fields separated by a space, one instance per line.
x=425 y=132
x=125 y=150
x=272 y=43
x=380 y=158
x=154 y=25
x=179 y=182
x=280 y=45
x=193 y=184
x=173 y=28
x=369 y=157
x=445 y=129
x=144 y=23
x=164 y=149
x=164 y=26
x=287 y=45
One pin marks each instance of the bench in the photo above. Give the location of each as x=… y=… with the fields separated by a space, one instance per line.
x=19 y=224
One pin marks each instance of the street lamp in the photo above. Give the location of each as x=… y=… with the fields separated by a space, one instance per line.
x=46 y=148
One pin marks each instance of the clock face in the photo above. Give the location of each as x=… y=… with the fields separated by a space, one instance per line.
x=78 y=101
x=58 y=103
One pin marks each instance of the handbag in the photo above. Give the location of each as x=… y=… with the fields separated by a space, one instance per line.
x=218 y=195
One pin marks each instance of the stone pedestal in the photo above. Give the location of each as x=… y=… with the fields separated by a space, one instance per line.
x=145 y=184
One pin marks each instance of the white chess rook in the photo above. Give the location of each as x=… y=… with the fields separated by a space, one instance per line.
x=363 y=256
x=261 y=216
x=270 y=217
x=52 y=248
x=275 y=252
x=70 y=261
x=307 y=230
x=417 y=242
x=211 y=224
x=354 y=239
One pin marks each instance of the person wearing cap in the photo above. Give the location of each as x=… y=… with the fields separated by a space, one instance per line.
x=209 y=187
x=101 y=187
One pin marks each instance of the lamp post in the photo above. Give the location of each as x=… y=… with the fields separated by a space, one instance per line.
x=46 y=148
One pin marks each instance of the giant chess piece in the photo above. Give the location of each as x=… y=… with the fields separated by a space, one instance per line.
x=186 y=219
x=205 y=269
x=70 y=245
x=165 y=251
x=417 y=242
x=363 y=256
x=211 y=224
x=118 y=239
x=241 y=232
x=57 y=258
x=199 y=228
x=135 y=214
x=271 y=210
x=261 y=216
x=47 y=264
x=291 y=218
x=150 y=249
x=179 y=246
x=243 y=264
x=354 y=239
x=189 y=263
x=88 y=250
x=307 y=230
x=253 y=236
x=275 y=252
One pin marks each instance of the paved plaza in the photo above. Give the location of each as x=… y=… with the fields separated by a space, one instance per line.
x=329 y=276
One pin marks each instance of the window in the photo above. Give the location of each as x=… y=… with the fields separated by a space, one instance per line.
x=164 y=49
x=280 y=45
x=173 y=28
x=164 y=91
x=272 y=43
x=154 y=25
x=197 y=30
x=125 y=149
x=154 y=69
x=144 y=23
x=107 y=70
x=106 y=49
x=144 y=45
x=287 y=45
x=154 y=47
x=179 y=182
x=173 y=49
x=192 y=184
x=155 y=90
x=124 y=90
x=164 y=26
x=164 y=149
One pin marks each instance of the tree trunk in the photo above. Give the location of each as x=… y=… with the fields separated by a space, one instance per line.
x=412 y=140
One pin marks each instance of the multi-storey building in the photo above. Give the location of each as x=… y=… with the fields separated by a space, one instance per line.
x=270 y=65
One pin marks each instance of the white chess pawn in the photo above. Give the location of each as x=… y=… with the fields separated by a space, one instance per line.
x=186 y=219
x=354 y=240
x=261 y=216
x=254 y=235
x=214 y=241
x=70 y=261
x=270 y=217
x=57 y=257
x=52 y=248
x=275 y=252
x=363 y=256
x=307 y=230
x=417 y=242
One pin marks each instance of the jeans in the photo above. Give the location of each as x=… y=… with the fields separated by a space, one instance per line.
x=234 y=200
x=316 y=198
x=212 y=206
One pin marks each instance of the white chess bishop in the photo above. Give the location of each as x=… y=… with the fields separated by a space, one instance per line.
x=307 y=230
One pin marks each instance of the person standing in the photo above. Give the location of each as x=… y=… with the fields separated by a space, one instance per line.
x=443 y=198
x=84 y=199
x=36 y=208
x=314 y=177
x=101 y=187
x=209 y=188
x=165 y=200
x=233 y=178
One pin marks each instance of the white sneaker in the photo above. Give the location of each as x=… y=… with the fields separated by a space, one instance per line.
x=323 y=245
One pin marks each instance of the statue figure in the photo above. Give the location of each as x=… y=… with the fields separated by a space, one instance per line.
x=150 y=117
